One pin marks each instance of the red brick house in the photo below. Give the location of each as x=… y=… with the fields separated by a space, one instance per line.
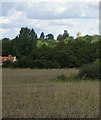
x=5 y=58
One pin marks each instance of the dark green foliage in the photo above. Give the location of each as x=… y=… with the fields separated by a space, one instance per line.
x=6 y=47
x=42 y=36
x=7 y=64
x=24 y=62
x=59 y=37
x=61 y=77
x=50 y=64
x=33 y=34
x=49 y=37
x=25 y=42
x=38 y=64
x=83 y=52
x=44 y=64
x=0 y=48
x=65 y=52
x=65 y=34
x=15 y=64
x=90 y=71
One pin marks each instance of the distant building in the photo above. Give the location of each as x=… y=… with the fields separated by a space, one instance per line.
x=5 y=58
x=78 y=34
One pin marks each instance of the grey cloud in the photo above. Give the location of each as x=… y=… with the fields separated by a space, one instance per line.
x=6 y=6
x=48 y=10
x=78 y=9
x=40 y=11
x=49 y=20
x=16 y=24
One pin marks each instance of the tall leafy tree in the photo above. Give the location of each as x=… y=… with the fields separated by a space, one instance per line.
x=42 y=36
x=6 y=47
x=50 y=37
x=25 y=42
x=34 y=35
x=60 y=37
x=65 y=34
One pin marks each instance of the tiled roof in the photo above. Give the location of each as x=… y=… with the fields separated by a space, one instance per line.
x=4 y=58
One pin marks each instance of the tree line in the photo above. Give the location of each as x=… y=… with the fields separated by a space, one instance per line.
x=46 y=52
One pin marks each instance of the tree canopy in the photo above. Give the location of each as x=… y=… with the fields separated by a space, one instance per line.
x=46 y=52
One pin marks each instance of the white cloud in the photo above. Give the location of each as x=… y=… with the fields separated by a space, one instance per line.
x=3 y=32
x=9 y=32
x=49 y=17
x=15 y=15
x=50 y=1
x=4 y=20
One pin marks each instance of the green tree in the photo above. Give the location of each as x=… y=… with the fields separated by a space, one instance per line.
x=25 y=42
x=6 y=47
x=7 y=64
x=33 y=34
x=60 y=37
x=24 y=62
x=68 y=39
x=65 y=34
x=42 y=36
x=50 y=37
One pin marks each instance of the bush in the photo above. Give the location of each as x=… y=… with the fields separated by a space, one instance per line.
x=15 y=64
x=7 y=64
x=38 y=64
x=24 y=62
x=50 y=64
x=45 y=64
x=90 y=71
x=61 y=77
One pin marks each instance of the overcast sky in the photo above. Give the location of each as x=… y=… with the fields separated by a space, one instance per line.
x=49 y=17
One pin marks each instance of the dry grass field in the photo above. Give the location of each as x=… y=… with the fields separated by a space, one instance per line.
x=38 y=94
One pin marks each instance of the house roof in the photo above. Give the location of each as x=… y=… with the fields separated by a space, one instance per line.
x=4 y=58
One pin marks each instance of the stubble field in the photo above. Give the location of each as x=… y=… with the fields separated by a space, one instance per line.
x=38 y=94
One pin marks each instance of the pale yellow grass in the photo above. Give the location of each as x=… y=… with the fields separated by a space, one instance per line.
x=33 y=94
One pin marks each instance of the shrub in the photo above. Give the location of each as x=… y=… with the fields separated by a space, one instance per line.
x=38 y=64
x=90 y=71
x=24 y=62
x=15 y=64
x=45 y=64
x=7 y=64
x=61 y=77
x=50 y=64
